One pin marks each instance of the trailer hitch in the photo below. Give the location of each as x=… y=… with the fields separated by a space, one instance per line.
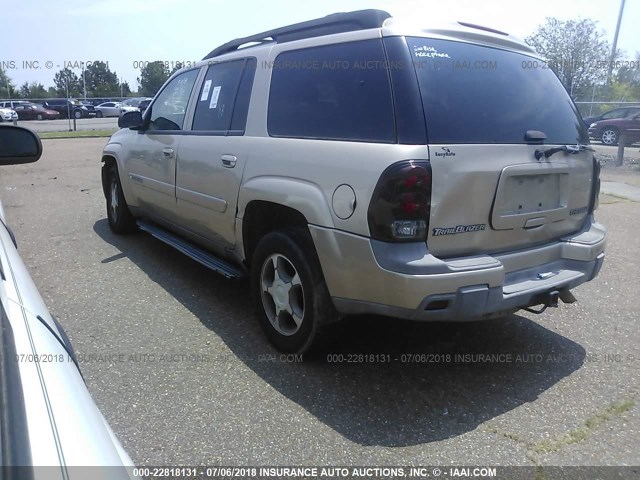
x=548 y=300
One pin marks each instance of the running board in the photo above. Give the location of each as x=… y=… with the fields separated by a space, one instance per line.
x=196 y=253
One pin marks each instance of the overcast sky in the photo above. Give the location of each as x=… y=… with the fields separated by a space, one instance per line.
x=124 y=32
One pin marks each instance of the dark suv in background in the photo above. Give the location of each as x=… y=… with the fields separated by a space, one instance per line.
x=68 y=108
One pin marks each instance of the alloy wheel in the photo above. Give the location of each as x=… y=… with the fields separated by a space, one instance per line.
x=282 y=294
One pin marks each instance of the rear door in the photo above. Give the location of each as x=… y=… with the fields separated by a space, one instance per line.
x=490 y=193
x=212 y=156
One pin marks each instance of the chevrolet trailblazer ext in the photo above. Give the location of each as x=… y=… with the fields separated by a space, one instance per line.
x=357 y=164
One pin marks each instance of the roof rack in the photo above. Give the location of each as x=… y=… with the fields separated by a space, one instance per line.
x=334 y=23
x=480 y=27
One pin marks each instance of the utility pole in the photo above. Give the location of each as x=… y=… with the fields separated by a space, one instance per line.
x=615 y=42
x=84 y=83
x=68 y=107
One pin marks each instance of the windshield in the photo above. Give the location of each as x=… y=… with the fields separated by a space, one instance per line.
x=476 y=94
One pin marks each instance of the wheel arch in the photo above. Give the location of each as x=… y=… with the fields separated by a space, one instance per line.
x=263 y=217
x=110 y=157
x=266 y=204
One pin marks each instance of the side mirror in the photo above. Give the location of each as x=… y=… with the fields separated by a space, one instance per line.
x=131 y=120
x=18 y=145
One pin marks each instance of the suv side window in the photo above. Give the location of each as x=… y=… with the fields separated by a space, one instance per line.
x=335 y=92
x=170 y=106
x=223 y=100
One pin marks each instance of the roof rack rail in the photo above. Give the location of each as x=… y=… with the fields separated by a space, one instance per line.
x=334 y=23
x=480 y=27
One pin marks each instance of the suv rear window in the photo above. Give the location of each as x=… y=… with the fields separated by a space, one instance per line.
x=336 y=92
x=477 y=94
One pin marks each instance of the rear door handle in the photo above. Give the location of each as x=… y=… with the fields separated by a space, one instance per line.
x=229 y=161
x=167 y=152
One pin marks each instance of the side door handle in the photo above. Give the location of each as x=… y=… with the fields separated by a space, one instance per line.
x=167 y=152
x=229 y=161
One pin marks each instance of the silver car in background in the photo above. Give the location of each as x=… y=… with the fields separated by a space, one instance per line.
x=108 y=109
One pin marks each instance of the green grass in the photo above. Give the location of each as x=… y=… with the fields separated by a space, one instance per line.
x=78 y=134
x=582 y=433
x=578 y=435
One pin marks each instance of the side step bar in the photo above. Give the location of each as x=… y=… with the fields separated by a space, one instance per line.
x=196 y=253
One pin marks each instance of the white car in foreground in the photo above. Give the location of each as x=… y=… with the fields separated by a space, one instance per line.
x=49 y=419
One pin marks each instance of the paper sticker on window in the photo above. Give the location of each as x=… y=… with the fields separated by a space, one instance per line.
x=205 y=91
x=425 y=51
x=214 y=97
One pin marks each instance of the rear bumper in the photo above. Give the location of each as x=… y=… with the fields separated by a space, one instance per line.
x=403 y=280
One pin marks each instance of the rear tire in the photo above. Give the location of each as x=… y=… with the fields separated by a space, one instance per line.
x=289 y=290
x=39 y=116
x=118 y=214
x=610 y=136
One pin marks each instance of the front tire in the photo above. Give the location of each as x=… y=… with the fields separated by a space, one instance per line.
x=39 y=116
x=118 y=214
x=77 y=114
x=99 y=114
x=610 y=136
x=289 y=290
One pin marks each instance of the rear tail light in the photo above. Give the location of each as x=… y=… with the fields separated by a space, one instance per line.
x=401 y=203
x=595 y=186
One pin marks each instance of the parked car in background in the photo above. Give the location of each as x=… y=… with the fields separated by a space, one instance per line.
x=98 y=101
x=90 y=107
x=128 y=108
x=134 y=102
x=622 y=112
x=46 y=406
x=608 y=131
x=8 y=115
x=34 y=111
x=108 y=109
x=144 y=104
x=13 y=103
x=67 y=108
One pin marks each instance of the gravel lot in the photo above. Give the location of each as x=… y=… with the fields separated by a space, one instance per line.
x=214 y=392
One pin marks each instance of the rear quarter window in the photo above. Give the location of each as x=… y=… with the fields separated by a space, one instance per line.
x=336 y=92
x=478 y=94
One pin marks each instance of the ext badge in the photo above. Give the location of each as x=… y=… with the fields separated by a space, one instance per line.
x=459 y=229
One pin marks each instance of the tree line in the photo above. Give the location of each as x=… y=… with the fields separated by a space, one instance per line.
x=98 y=81
x=581 y=57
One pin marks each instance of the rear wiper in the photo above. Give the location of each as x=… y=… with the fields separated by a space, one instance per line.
x=565 y=148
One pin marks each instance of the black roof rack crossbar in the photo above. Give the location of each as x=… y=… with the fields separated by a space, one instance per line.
x=335 y=23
